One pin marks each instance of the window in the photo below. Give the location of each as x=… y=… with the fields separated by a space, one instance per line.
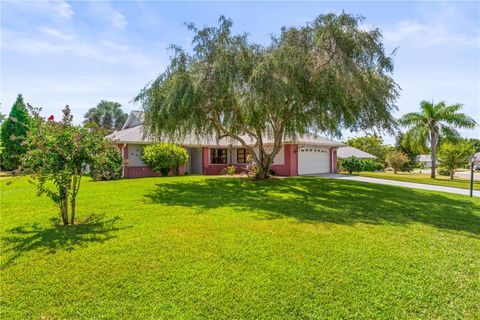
x=218 y=156
x=242 y=155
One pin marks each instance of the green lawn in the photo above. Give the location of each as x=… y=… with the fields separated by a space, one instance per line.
x=199 y=247
x=423 y=178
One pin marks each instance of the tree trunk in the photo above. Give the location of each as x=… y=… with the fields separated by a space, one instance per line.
x=395 y=171
x=452 y=173
x=433 y=140
x=72 y=220
x=64 y=211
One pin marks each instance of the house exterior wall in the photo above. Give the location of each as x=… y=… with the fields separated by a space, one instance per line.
x=287 y=164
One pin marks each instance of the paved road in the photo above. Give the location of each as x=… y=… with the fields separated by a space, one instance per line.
x=430 y=187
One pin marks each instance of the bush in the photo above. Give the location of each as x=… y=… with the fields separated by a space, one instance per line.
x=443 y=172
x=351 y=164
x=371 y=165
x=163 y=157
x=230 y=170
x=108 y=165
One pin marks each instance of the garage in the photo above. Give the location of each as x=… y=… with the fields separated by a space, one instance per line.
x=313 y=159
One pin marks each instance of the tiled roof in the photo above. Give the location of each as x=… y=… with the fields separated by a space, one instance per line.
x=135 y=135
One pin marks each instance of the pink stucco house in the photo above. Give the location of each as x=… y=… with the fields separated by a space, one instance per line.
x=207 y=156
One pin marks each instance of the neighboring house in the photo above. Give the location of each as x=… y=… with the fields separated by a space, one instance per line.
x=345 y=152
x=424 y=160
x=207 y=156
x=477 y=157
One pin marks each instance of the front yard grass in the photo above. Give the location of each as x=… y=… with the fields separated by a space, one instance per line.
x=206 y=247
x=423 y=178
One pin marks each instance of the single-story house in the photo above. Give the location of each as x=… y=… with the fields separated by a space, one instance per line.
x=207 y=156
x=425 y=160
x=345 y=152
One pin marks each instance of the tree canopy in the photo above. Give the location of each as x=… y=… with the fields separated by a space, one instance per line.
x=453 y=155
x=434 y=124
x=107 y=115
x=320 y=78
x=13 y=133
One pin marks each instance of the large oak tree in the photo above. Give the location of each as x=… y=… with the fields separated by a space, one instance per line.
x=328 y=75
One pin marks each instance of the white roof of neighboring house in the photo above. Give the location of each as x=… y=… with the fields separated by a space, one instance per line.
x=345 y=152
x=133 y=133
x=424 y=158
x=477 y=157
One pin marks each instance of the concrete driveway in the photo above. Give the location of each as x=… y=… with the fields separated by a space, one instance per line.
x=413 y=185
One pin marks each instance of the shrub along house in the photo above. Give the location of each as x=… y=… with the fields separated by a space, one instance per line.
x=207 y=156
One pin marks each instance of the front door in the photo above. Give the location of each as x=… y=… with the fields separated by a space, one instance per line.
x=195 y=161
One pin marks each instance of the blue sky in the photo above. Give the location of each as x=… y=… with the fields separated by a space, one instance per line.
x=77 y=53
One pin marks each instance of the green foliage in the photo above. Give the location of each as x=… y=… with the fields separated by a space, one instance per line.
x=475 y=144
x=396 y=159
x=57 y=154
x=13 y=133
x=412 y=152
x=433 y=124
x=164 y=157
x=107 y=115
x=352 y=164
x=455 y=155
x=371 y=165
x=443 y=172
x=107 y=164
x=229 y=170
x=372 y=144
x=323 y=77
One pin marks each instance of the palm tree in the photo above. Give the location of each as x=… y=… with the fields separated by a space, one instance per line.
x=434 y=123
x=107 y=115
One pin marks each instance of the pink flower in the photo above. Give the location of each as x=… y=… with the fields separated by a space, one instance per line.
x=51 y=118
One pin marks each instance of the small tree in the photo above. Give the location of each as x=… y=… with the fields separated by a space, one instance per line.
x=13 y=133
x=352 y=164
x=403 y=144
x=454 y=155
x=396 y=159
x=164 y=157
x=58 y=152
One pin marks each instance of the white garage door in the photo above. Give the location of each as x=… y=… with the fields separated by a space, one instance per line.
x=313 y=160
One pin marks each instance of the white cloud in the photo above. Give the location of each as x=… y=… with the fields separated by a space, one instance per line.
x=55 y=33
x=118 y=20
x=106 y=11
x=425 y=35
x=63 y=9
x=52 y=41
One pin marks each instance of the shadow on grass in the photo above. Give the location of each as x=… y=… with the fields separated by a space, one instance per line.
x=56 y=237
x=315 y=199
